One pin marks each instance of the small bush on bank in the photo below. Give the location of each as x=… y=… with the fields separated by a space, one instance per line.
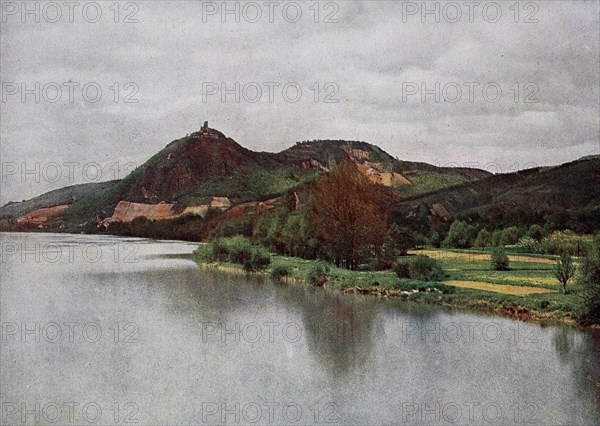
x=402 y=269
x=317 y=275
x=280 y=272
x=259 y=259
x=238 y=250
x=499 y=259
x=420 y=268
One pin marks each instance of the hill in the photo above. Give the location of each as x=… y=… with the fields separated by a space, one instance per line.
x=566 y=196
x=62 y=196
x=206 y=168
x=191 y=170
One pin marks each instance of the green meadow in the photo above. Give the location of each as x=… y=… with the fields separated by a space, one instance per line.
x=528 y=291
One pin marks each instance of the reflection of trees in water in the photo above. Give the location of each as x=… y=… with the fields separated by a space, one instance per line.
x=209 y=295
x=581 y=351
x=338 y=330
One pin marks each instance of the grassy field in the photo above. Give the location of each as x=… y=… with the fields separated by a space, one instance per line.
x=528 y=291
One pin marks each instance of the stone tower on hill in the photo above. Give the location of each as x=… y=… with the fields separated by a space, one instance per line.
x=205 y=132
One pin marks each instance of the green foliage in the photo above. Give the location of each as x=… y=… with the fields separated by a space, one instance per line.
x=509 y=236
x=484 y=239
x=279 y=272
x=256 y=184
x=238 y=250
x=422 y=268
x=396 y=243
x=435 y=239
x=497 y=238
x=499 y=259
x=564 y=270
x=589 y=279
x=460 y=235
x=317 y=274
x=535 y=232
x=241 y=225
x=423 y=181
x=402 y=269
x=188 y=228
x=286 y=232
x=528 y=245
x=259 y=259
x=557 y=243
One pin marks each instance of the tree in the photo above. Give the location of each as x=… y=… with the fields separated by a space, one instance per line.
x=509 y=236
x=348 y=215
x=589 y=279
x=484 y=239
x=564 y=270
x=460 y=235
x=497 y=238
x=536 y=232
x=396 y=243
x=434 y=240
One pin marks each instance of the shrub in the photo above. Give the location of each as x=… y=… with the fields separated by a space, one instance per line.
x=220 y=250
x=499 y=259
x=317 y=275
x=279 y=272
x=402 y=270
x=236 y=250
x=535 y=232
x=528 y=245
x=425 y=269
x=259 y=259
x=563 y=242
x=205 y=253
x=420 y=268
x=509 y=236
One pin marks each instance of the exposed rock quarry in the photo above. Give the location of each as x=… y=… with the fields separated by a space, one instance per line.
x=41 y=216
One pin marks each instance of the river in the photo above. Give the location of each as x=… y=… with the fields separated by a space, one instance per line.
x=107 y=330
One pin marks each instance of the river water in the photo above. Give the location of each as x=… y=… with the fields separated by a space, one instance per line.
x=107 y=330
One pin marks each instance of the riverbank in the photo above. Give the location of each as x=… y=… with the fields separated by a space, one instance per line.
x=534 y=296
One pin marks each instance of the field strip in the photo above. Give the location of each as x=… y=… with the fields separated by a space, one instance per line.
x=447 y=254
x=500 y=288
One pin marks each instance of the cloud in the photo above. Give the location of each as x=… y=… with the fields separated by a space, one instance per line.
x=366 y=57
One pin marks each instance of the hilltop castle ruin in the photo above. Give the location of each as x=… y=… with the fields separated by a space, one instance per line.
x=205 y=132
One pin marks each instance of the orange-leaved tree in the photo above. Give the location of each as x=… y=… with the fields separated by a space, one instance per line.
x=349 y=215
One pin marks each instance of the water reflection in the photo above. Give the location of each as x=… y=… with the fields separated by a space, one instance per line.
x=374 y=359
x=581 y=353
x=339 y=330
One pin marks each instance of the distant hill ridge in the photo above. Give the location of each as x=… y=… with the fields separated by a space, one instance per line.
x=191 y=170
x=207 y=163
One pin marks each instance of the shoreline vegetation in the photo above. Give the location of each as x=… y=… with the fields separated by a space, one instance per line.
x=467 y=282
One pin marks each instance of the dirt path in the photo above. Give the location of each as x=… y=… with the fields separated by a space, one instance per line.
x=500 y=288
x=447 y=254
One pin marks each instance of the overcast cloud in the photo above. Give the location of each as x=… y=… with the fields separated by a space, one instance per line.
x=548 y=72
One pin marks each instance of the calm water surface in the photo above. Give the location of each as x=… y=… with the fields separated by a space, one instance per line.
x=115 y=330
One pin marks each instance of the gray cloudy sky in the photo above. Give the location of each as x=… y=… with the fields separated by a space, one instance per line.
x=543 y=56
